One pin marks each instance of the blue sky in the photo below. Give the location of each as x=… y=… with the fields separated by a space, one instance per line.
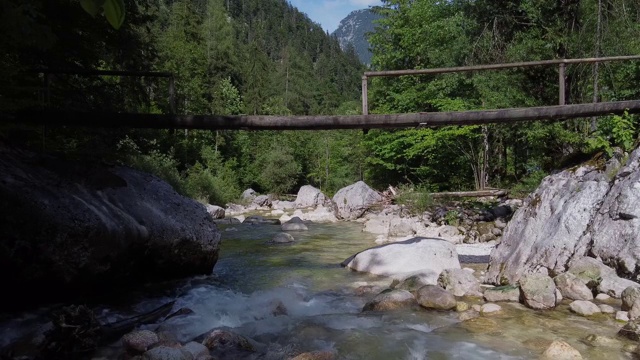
x=328 y=13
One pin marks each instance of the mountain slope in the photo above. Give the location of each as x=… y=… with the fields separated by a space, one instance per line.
x=353 y=30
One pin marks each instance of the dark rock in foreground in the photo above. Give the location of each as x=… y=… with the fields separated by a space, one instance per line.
x=70 y=228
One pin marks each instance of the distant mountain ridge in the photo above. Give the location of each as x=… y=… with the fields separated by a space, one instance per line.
x=353 y=30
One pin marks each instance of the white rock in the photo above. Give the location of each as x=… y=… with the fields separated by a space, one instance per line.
x=603 y=297
x=622 y=316
x=490 y=308
x=607 y=309
x=584 y=307
x=309 y=196
x=354 y=200
x=426 y=257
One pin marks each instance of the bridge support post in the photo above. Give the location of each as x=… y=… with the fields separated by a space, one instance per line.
x=365 y=96
x=561 y=79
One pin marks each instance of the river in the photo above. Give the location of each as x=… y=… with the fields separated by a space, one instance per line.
x=297 y=297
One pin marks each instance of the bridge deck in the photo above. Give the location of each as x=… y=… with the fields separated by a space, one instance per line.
x=319 y=122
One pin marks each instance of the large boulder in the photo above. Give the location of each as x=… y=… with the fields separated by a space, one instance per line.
x=591 y=209
x=309 y=196
x=354 y=200
x=417 y=256
x=248 y=195
x=572 y=287
x=70 y=227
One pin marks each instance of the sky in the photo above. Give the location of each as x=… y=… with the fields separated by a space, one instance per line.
x=328 y=13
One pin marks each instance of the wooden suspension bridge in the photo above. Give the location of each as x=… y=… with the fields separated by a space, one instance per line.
x=562 y=111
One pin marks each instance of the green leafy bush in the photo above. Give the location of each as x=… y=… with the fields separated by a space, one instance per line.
x=417 y=200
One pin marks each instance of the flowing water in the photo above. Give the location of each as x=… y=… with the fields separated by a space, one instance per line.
x=296 y=297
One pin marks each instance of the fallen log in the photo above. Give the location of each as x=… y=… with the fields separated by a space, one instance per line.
x=478 y=193
x=113 y=331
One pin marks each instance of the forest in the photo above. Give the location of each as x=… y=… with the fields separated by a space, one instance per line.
x=262 y=57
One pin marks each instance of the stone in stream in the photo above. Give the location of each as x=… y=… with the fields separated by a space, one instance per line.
x=260 y=220
x=417 y=256
x=294 y=224
x=502 y=293
x=584 y=308
x=216 y=212
x=167 y=353
x=613 y=285
x=412 y=283
x=197 y=350
x=391 y=300
x=602 y=341
x=631 y=330
x=224 y=340
x=622 y=316
x=435 y=297
x=262 y=201
x=282 y=238
x=538 y=291
x=459 y=282
x=572 y=287
x=315 y=355
x=560 y=350
x=630 y=296
x=606 y=309
x=139 y=341
x=490 y=309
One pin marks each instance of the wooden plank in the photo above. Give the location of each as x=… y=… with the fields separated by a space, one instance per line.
x=318 y=122
x=498 y=66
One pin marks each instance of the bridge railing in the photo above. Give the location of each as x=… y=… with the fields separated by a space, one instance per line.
x=562 y=63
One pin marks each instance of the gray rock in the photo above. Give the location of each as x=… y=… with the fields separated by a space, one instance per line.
x=613 y=285
x=603 y=297
x=459 y=282
x=584 y=308
x=589 y=270
x=139 y=341
x=215 y=211
x=538 y=291
x=572 y=287
x=602 y=341
x=418 y=256
x=630 y=296
x=220 y=339
x=282 y=238
x=283 y=205
x=262 y=201
x=502 y=293
x=260 y=220
x=391 y=300
x=67 y=223
x=622 y=316
x=631 y=330
x=248 y=195
x=607 y=309
x=354 y=200
x=309 y=196
x=448 y=231
x=590 y=209
x=377 y=225
x=294 y=224
x=500 y=224
x=401 y=227
x=413 y=283
x=197 y=350
x=167 y=353
x=560 y=350
x=435 y=297
x=490 y=308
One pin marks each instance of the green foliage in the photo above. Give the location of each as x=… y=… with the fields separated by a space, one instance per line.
x=279 y=170
x=416 y=199
x=528 y=184
x=452 y=217
x=114 y=10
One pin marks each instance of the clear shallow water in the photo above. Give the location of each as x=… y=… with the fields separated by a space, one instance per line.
x=253 y=282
